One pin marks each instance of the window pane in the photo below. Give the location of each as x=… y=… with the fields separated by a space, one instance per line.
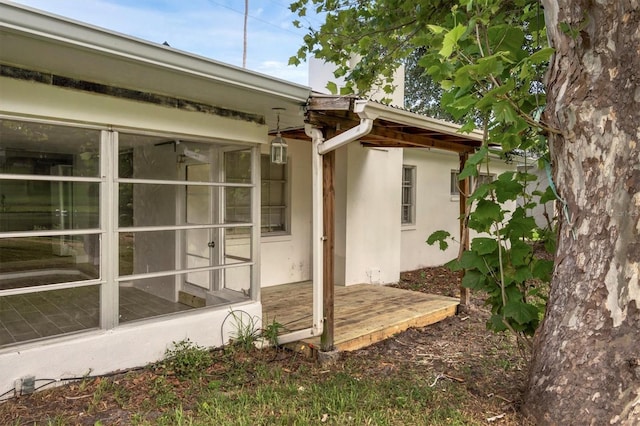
x=238 y=205
x=455 y=183
x=237 y=166
x=153 y=157
x=152 y=297
x=48 y=313
x=45 y=149
x=35 y=261
x=29 y=205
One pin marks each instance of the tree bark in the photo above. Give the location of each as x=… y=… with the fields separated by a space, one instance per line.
x=586 y=362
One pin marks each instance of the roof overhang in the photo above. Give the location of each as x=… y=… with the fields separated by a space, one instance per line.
x=392 y=127
x=43 y=42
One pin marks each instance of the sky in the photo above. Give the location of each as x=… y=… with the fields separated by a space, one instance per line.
x=209 y=28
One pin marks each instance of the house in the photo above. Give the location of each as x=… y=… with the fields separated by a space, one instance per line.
x=139 y=206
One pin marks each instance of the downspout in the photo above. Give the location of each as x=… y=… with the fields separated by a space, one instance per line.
x=319 y=148
x=317 y=138
x=354 y=133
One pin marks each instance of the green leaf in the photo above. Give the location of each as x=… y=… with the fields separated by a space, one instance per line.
x=506 y=188
x=474 y=280
x=454 y=265
x=440 y=237
x=487 y=210
x=542 y=269
x=504 y=112
x=332 y=87
x=451 y=39
x=541 y=56
x=520 y=253
x=436 y=29
x=495 y=323
x=521 y=312
x=470 y=260
x=483 y=245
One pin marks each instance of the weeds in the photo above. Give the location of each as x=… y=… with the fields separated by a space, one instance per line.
x=186 y=360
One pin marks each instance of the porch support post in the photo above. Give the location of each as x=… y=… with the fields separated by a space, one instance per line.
x=328 y=216
x=464 y=186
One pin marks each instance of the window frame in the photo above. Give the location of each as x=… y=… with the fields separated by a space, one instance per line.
x=454 y=189
x=286 y=198
x=411 y=203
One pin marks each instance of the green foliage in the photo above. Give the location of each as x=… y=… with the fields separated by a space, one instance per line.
x=246 y=331
x=186 y=360
x=271 y=332
x=488 y=59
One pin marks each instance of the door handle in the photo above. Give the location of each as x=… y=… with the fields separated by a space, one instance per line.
x=211 y=244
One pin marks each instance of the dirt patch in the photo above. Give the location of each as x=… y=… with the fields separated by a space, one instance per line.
x=485 y=371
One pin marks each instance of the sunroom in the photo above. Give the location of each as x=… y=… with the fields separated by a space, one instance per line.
x=130 y=195
x=104 y=227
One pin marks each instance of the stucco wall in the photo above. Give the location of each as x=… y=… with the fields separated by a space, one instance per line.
x=436 y=208
x=287 y=258
x=372 y=215
x=132 y=345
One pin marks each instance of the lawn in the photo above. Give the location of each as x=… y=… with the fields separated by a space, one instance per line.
x=451 y=373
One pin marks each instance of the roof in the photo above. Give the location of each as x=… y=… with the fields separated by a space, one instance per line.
x=393 y=127
x=48 y=43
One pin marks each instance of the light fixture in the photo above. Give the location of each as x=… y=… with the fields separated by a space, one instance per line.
x=278 y=144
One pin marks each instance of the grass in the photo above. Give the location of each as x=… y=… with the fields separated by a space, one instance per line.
x=269 y=387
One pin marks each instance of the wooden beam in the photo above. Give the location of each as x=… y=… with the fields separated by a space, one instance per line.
x=332 y=103
x=328 y=215
x=464 y=186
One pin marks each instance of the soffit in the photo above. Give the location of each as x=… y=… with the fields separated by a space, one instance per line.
x=47 y=43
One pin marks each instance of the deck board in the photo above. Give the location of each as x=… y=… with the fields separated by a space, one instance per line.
x=364 y=313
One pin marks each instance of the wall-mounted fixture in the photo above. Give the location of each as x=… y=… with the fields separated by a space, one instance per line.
x=278 y=144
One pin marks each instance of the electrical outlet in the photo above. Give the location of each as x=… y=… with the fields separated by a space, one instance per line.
x=27 y=385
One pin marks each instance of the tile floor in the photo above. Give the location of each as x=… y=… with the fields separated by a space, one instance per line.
x=49 y=313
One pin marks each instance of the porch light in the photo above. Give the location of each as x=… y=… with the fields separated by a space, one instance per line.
x=278 y=144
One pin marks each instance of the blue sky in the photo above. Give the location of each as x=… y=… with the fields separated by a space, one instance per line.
x=210 y=28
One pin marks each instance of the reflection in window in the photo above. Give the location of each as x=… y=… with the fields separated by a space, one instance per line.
x=274 y=196
x=408 y=195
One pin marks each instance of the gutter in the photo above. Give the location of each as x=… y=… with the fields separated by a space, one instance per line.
x=43 y=25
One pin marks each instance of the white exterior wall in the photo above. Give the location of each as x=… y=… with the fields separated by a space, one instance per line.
x=136 y=343
x=287 y=258
x=131 y=345
x=321 y=72
x=368 y=212
x=436 y=208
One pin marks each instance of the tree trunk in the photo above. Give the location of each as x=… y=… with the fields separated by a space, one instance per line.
x=586 y=361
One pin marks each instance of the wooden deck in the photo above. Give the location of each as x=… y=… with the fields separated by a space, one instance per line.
x=364 y=313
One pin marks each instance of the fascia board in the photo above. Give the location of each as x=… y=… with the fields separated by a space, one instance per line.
x=20 y=19
x=375 y=110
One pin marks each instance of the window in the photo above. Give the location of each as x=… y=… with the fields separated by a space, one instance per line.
x=99 y=228
x=408 y=195
x=481 y=179
x=274 y=196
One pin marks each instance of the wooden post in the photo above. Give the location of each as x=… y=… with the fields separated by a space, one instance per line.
x=464 y=186
x=328 y=215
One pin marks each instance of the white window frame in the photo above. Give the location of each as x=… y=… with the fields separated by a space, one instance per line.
x=410 y=204
x=454 y=188
x=286 y=198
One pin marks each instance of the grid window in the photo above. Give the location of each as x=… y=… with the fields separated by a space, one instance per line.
x=274 y=196
x=408 y=195
x=482 y=178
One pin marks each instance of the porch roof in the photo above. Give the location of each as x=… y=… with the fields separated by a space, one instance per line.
x=393 y=127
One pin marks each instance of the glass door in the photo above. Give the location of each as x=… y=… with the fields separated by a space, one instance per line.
x=201 y=244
